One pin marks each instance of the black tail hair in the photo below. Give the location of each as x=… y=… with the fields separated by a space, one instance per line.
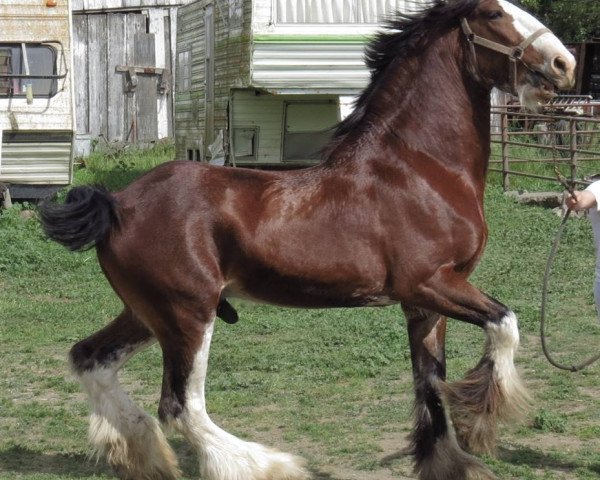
x=83 y=221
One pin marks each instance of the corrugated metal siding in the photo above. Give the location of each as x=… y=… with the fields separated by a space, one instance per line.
x=315 y=57
x=337 y=11
x=328 y=67
x=36 y=163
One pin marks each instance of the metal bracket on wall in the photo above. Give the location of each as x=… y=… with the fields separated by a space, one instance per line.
x=131 y=74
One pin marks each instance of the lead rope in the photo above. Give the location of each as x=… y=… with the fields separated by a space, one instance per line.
x=551 y=257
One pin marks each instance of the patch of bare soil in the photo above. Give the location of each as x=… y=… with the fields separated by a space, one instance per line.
x=393 y=464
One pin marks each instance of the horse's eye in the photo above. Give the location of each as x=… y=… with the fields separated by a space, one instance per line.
x=495 y=15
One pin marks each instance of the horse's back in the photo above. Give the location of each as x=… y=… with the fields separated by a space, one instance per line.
x=184 y=181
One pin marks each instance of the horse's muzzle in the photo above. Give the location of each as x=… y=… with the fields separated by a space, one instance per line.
x=561 y=71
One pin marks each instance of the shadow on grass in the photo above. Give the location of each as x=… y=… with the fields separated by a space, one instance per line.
x=20 y=460
x=526 y=456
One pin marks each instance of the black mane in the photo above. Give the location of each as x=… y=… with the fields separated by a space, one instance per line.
x=404 y=35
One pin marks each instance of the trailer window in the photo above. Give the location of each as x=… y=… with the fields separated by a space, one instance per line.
x=308 y=128
x=33 y=62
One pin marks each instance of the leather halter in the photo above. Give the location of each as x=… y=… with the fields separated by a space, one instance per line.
x=515 y=54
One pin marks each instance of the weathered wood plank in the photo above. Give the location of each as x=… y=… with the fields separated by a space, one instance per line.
x=96 y=5
x=146 y=91
x=97 y=50
x=135 y=24
x=157 y=25
x=80 y=67
x=169 y=29
x=117 y=56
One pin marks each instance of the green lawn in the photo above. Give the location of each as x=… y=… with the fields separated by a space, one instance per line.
x=333 y=386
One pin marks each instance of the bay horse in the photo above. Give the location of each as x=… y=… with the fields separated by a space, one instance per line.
x=392 y=215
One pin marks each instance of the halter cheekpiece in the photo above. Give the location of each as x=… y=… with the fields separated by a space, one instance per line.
x=514 y=54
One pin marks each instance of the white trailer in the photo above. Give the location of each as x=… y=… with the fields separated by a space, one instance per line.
x=262 y=82
x=36 y=96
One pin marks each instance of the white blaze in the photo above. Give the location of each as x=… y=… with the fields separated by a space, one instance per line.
x=526 y=24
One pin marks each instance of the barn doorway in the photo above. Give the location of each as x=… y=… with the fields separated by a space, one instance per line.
x=122 y=66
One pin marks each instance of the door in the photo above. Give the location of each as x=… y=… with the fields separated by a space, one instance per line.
x=122 y=88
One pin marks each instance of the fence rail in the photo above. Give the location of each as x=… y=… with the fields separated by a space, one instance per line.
x=532 y=145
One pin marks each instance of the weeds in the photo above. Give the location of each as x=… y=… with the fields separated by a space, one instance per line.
x=549 y=422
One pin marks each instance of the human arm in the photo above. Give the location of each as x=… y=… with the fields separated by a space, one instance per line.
x=585 y=199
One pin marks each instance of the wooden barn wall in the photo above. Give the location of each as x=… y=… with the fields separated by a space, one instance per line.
x=232 y=68
x=105 y=107
x=189 y=102
x=104 y=5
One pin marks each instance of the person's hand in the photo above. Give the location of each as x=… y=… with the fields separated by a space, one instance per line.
x=580 y=200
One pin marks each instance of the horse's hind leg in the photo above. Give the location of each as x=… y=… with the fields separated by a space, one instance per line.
x=433 y=444
x=130 y=439
x=222 y=455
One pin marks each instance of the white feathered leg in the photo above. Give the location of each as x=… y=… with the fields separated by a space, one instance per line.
x=222 y=455
x=130 y=439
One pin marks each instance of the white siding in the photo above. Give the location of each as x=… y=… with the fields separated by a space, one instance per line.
x=312 y=15
x=337 y=11
x=264 y=112
x=316 y=49
x=290 y=67
x=37 y=160
x=32 y=21
x=251 y=109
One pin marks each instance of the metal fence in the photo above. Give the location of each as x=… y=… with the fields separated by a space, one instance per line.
x=565 y=136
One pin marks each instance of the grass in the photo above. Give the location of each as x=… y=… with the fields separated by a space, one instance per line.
x=331 y=385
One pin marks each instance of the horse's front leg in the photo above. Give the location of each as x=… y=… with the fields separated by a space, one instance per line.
x=433 y=444
x=492 y=390
x=489 y=392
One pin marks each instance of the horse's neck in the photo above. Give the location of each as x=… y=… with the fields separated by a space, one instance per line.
x=431 y=106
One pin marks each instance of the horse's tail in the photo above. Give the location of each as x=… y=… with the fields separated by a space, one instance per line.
x=83 y=221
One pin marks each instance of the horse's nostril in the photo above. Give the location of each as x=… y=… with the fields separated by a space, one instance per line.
x=560 y=65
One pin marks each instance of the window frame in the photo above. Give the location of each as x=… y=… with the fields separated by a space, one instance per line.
x=58 y=61
x=287 y=136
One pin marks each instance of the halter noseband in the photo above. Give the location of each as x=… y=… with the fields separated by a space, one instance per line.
x=515 y=54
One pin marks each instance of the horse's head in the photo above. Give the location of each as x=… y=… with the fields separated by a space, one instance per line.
x=513 y=51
